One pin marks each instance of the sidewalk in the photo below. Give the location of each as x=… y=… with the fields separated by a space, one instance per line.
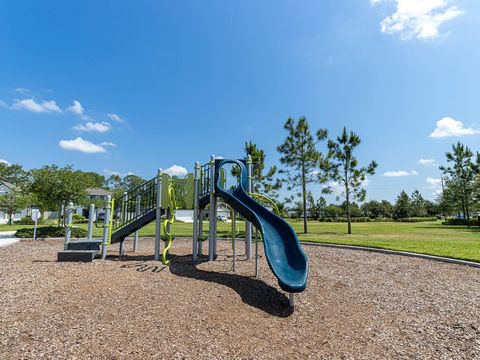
x=7 y=238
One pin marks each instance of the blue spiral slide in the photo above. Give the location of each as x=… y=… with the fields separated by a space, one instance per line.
x=283 y=251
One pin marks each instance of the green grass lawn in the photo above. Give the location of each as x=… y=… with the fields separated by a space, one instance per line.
x=427 y=238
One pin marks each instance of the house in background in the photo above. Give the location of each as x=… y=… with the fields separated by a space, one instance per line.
x=97 y=194
x=94 y=195
x=6 y=188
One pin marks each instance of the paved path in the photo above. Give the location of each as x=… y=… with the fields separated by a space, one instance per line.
x=7 y=238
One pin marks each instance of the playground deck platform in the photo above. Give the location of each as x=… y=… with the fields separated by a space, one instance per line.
x=357 y=305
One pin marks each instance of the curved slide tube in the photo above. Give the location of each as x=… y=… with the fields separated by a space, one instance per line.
x=282 y=249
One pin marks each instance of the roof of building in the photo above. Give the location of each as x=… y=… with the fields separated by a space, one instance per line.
x=8 y=185
x=98 y=192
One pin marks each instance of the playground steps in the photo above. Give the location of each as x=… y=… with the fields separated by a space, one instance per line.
x=85 y=245
x=77 y=255
x=80 y=250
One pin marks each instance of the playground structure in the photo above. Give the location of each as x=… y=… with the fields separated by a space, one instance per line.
x=157 y=200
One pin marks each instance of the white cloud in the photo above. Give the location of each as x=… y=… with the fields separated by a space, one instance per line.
x=79 y=110
x=433 y=183
x=109 y=172
x=339 y=190
x=176 y=170
x=115 y=117
x=81 y=145
x=76 y=108
x=419 y=19
x=6 y=162
x=448 y=127
x=3 y=104
x=108 y=143
x=400 y=173
x=36 y=107
x=93 y=127
x=426 y=162
x=437 y=192
x=22 y=90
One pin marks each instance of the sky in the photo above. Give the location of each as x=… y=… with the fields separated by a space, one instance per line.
x=133 y=86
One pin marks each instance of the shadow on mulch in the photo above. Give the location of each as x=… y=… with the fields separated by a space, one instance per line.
x=253 y=292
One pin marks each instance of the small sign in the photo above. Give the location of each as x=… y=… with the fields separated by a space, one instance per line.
x=35 y=214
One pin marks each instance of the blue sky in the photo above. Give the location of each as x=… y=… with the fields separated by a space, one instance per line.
x=120 y=86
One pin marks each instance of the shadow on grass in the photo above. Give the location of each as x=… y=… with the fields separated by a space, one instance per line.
x=253 y=292
x=474 y=229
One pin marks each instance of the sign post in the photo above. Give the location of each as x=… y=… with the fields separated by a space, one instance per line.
x=35 y=217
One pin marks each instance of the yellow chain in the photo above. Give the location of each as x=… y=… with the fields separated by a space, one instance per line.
x=172 y=205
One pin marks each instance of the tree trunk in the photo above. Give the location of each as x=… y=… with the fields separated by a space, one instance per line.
x=347 y=199
x=60 y=215
x=10 y=219
x=304 y=196
x=467 y=213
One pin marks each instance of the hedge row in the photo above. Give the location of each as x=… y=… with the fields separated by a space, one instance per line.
x=416 y=219
x=49 y=232
x=453 y=221
x=367 y=219
x=27 y=220
x=344 y=219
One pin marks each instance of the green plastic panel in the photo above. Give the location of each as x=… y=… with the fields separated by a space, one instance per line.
x=166 y=179
x=223 y=177
x=189 y=191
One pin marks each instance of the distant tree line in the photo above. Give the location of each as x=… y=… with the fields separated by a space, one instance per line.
x=51 y=187
x=303 y=164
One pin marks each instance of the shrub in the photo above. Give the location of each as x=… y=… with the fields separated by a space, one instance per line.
x=49 y=232
x=367 y=219
x=344 y=219
x=27 y=220
x=416 y=219
x=455 y=221
x=79 y=219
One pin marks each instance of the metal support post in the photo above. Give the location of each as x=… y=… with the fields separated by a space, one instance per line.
x=291 y=300
x=106 y=227
x=248 y=224
x=68 y=225
x=124 y=208
x=158 y=227
x=234 y=240
x=137 y=213
x=200 y=231
x=257 y=270
x=121 y=250
x=212 y=216
x=195 y=211
x=91 y=216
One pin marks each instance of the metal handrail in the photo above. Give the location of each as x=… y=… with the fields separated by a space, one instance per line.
x=124 y=211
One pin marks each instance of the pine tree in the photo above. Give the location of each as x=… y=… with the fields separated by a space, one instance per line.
x=264 y=183
x=301 y=158
x=342 y=168
x=460 y=177
x=418 y=204
x=402 y=206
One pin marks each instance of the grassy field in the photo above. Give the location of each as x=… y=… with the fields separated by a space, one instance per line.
x=427 y=238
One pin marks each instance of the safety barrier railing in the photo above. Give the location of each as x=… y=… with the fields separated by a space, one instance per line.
x=204 y=180
x=134 y=204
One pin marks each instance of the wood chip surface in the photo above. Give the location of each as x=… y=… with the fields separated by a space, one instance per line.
x=357 y=305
